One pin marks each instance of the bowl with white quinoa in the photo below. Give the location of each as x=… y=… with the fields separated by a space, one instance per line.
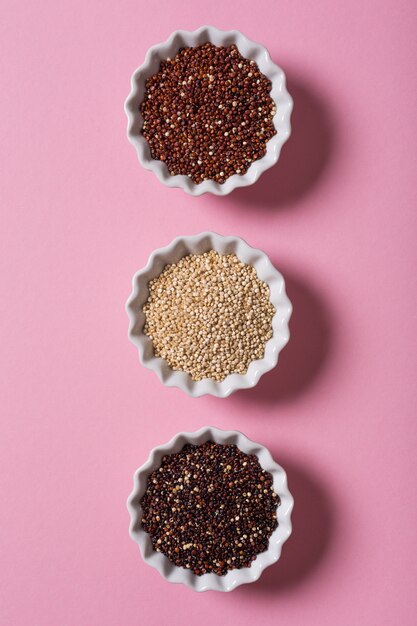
x=209 y=314
x=210 y=509
x=208 y=111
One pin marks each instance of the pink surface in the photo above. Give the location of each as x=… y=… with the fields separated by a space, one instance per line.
x=79 y=216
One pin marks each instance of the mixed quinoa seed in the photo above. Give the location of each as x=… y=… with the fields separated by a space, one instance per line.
x=210 y=508
x=208 y=113
x=209 y=315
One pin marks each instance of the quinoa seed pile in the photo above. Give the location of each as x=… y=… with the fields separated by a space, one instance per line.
x=208 y=113
x=209 y=315
x=210 y=508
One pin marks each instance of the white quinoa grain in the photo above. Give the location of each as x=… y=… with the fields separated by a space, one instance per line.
x=209 y=315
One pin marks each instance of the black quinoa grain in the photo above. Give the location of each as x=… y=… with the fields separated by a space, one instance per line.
x=208 y=113
x=210 y=508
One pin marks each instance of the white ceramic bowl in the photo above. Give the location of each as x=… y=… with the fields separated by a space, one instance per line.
x=199 y=244
x=235 y=577
x=248 y=49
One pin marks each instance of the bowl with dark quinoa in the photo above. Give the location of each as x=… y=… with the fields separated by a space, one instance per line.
x=209 y=314
x=210 y=509
x=208 y=111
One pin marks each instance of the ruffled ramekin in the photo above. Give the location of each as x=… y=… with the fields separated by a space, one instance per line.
x=199 y=244
x=235 y=577
x=248 y=49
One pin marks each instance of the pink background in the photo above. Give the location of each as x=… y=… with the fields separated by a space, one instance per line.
x=79 y=217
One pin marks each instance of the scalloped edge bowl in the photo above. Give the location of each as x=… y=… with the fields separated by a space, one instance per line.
x=235 y=577
x=198 y=244
x=250 y=50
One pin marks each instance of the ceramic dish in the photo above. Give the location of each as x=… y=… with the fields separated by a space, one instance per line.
x=250 y=50
x=235 y=577
x=198 y=244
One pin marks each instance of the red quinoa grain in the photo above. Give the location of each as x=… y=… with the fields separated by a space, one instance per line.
x=208 y=113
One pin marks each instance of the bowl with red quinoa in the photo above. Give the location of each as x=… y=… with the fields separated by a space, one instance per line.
x=209 y=314
x=208 y=111
x=210 y=509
